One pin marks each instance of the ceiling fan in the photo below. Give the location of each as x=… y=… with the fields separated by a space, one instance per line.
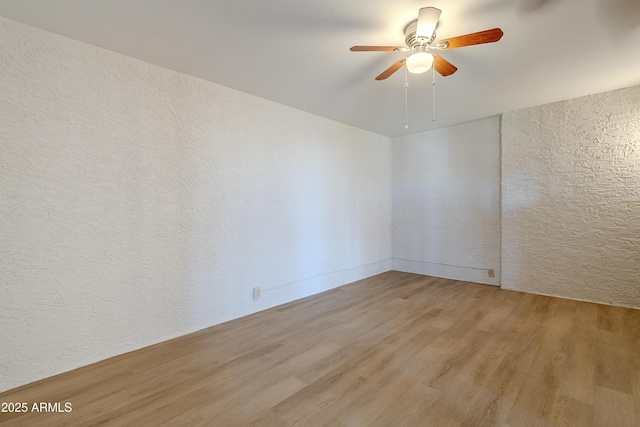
x=420 y=39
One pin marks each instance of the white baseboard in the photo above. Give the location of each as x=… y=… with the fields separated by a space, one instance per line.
x=467 y=274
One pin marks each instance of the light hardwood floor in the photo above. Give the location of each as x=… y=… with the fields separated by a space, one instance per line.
x=397 y=349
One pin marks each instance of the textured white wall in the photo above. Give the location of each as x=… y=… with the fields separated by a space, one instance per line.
x=138 y=204
x=571 y=198
x=446 y=202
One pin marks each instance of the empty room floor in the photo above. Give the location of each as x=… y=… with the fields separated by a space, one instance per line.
x=391 y=350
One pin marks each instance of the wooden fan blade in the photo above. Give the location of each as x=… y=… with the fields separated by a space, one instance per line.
x=378 y=48
x=395 y=67
x=427 y=22
x=487 y=36
x=442 y=66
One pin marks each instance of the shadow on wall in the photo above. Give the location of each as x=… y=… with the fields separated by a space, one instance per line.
x=617 y=16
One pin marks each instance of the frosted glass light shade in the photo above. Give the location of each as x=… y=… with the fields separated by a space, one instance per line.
x=419 y=62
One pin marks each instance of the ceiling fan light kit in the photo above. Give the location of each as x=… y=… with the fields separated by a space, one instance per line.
x=420 y=61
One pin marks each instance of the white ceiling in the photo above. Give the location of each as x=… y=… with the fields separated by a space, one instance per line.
x=296 y=52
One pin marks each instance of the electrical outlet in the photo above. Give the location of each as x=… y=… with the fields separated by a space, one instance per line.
x=257 y=293
x=491 y=272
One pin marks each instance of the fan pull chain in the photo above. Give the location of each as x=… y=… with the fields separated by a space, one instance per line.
x=406 y=98
x=433 y=90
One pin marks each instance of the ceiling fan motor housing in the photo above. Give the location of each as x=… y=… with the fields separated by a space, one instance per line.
x=410 y=36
